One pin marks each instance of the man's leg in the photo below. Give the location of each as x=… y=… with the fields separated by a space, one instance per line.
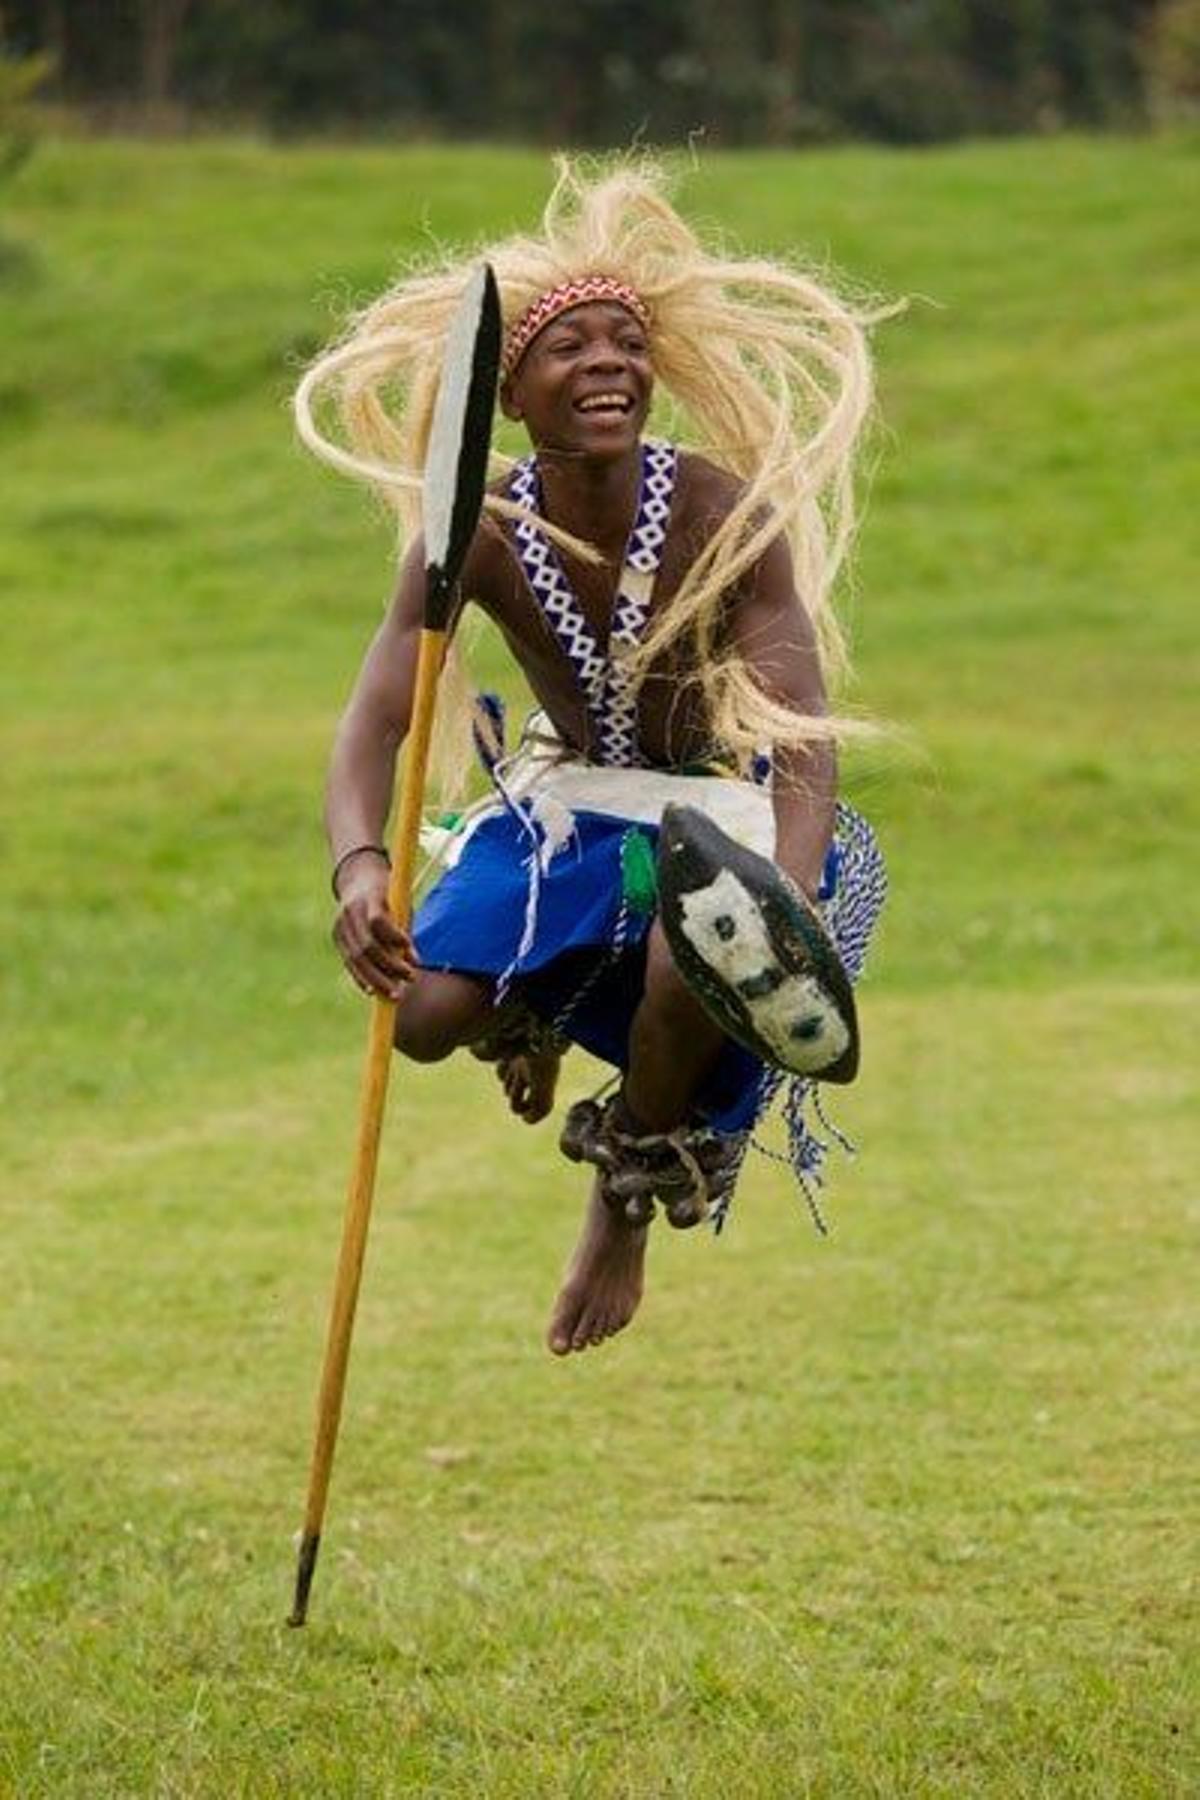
x=443 y=1011
x=440 y=1012
x=672 y=1046
x=603 y=1283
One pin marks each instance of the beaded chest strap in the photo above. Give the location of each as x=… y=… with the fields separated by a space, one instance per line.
x=604 y=678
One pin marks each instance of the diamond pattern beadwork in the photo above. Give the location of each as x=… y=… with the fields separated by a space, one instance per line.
x=605 y=680
x=545 y=574
x=649 y=534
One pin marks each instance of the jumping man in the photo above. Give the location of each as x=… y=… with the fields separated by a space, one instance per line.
x=669 y=608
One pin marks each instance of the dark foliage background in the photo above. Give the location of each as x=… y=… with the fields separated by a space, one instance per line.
x=598 y=71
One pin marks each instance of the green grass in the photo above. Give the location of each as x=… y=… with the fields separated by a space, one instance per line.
x=908 y=1513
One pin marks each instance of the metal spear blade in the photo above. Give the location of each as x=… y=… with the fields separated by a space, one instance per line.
x=459 y=440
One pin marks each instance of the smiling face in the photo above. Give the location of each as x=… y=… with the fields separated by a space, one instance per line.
x=585 y=382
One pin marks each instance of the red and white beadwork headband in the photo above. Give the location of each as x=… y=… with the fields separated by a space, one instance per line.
x=579 y=292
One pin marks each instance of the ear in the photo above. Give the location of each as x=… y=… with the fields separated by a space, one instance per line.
x=510 y=406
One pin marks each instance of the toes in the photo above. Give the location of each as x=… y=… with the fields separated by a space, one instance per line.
x=518 y=1095
x=558 y=1339
x=517 y=1086
x=564 y=1321
x=583 y=1335
x=595 y=1325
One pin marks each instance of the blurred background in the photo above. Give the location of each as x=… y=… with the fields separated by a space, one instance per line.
x=603 y=72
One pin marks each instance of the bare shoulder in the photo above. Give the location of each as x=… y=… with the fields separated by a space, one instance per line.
x=707 y=493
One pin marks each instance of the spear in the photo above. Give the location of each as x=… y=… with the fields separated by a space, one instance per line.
x=452 y=496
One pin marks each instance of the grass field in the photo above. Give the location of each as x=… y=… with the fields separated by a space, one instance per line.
x=909 y=1513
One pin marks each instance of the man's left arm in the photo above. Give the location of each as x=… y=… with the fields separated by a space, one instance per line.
x=774 y=636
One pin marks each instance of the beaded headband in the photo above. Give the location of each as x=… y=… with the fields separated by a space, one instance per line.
x=578 y=292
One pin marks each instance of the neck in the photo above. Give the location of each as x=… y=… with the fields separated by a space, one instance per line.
x=594 y=498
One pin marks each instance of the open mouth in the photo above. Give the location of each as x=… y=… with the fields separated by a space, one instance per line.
x=605 y=406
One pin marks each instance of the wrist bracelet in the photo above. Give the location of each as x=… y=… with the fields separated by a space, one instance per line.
x=344 y=858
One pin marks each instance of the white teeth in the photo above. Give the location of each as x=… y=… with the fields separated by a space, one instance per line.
x=596 y=402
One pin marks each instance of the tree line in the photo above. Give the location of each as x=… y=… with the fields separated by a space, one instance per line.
x=593 y=72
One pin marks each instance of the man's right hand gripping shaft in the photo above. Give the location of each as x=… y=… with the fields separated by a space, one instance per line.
x=376 y=952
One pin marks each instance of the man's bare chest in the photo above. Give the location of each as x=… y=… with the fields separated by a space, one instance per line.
x=573 y=623
x=669 y=719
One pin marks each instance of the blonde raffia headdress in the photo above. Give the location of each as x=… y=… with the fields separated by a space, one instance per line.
x=765 y=369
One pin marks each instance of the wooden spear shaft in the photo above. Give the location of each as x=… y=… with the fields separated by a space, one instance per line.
x=452 y=496
x=357 y=1218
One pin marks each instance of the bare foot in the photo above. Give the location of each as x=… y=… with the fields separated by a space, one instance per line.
x=529 y=1079
x=603 y=1282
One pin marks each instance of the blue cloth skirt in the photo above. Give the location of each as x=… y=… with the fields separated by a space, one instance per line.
x=583 y=969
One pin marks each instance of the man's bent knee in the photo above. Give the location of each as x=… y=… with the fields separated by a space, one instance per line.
x=440 y=1012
